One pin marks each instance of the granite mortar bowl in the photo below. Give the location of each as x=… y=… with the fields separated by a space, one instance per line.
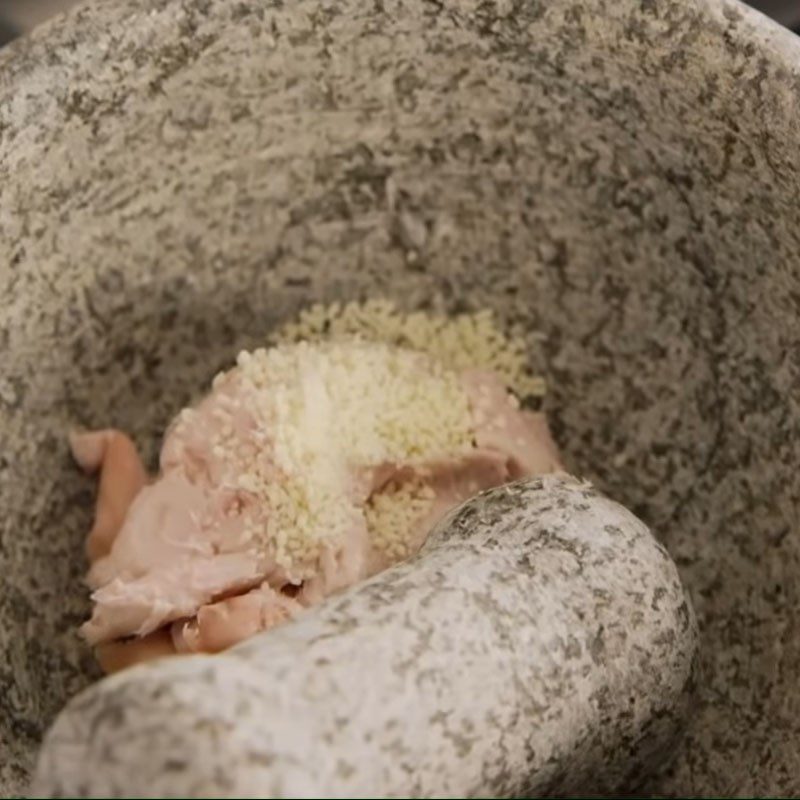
x=620 y=177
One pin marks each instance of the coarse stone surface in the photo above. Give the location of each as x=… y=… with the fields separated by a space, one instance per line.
x=540 y=644
x=619 y=177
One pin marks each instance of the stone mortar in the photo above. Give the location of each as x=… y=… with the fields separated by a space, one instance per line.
x=619 y=177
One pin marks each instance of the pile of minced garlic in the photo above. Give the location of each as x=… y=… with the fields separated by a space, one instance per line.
x=461 y=341
x=356 y=387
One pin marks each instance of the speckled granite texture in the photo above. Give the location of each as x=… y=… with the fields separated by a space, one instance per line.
x=621 y=176
x=540 y=643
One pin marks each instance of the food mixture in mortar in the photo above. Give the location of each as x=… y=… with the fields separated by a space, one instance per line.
x=311 y=465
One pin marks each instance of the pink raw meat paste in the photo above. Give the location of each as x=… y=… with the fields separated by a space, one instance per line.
x=183 y=557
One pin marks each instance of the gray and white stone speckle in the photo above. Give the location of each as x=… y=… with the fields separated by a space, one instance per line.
x=541 y=643
x=620 y=177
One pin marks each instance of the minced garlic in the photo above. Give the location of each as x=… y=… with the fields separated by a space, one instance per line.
x=394 y=512
x=346 y=389
x=461 y=341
